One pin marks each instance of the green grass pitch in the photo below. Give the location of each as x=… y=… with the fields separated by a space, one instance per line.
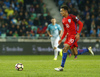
x=43 y=66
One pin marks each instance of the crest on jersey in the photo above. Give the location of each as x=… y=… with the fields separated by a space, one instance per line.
x=69 y=20
x=76 y=17
x=67 y=25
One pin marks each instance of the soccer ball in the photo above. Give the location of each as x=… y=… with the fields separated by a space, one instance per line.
x=19 y=66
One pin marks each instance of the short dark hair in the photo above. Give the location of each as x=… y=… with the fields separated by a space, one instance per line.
x=65 y=7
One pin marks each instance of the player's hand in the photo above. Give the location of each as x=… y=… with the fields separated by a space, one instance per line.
x=59 y=42
x=77 y=36
x=59 y=35
x=50 y=35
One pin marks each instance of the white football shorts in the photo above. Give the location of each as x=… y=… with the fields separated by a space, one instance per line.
x=54 y=42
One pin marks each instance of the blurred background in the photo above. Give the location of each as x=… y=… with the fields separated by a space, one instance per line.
x=23 y=24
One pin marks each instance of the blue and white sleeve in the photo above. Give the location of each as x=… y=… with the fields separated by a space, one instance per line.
x=48 y=28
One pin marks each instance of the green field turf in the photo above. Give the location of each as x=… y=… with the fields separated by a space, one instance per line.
x=43 y=66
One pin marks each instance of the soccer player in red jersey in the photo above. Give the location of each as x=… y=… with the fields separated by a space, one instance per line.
x=70 y=29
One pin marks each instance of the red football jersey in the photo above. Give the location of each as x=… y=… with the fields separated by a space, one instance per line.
x=70 y=25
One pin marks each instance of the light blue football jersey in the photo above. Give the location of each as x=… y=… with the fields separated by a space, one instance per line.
x=54 y=29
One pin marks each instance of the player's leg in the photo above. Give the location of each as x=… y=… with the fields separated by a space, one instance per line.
x=68 y=42
x=56 y=44
x=74 y=48
x=82 y=51
x=60 y=51
x=72 y=51
x=55 y=49
x=65 y=49
x=69 y=53
x=56 y=53
x=90 y=50
x=75 y=52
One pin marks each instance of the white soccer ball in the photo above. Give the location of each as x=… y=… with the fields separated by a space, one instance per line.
x=19 y=66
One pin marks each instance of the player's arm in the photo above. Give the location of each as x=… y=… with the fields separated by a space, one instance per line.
x=80 y=28
x=60 y=32
x=49 y=33
x=64 y=34
x=80 y=25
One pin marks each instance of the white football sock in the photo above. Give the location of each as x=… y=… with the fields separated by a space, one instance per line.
x=58 y=49
x=55 y=53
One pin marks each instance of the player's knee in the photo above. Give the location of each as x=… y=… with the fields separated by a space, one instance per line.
x=55 y=48
x=65 y=49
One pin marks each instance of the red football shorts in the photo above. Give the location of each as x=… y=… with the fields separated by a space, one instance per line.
x=70 y=40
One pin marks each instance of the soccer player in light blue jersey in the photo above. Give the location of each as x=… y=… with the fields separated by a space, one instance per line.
x=54 y=31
